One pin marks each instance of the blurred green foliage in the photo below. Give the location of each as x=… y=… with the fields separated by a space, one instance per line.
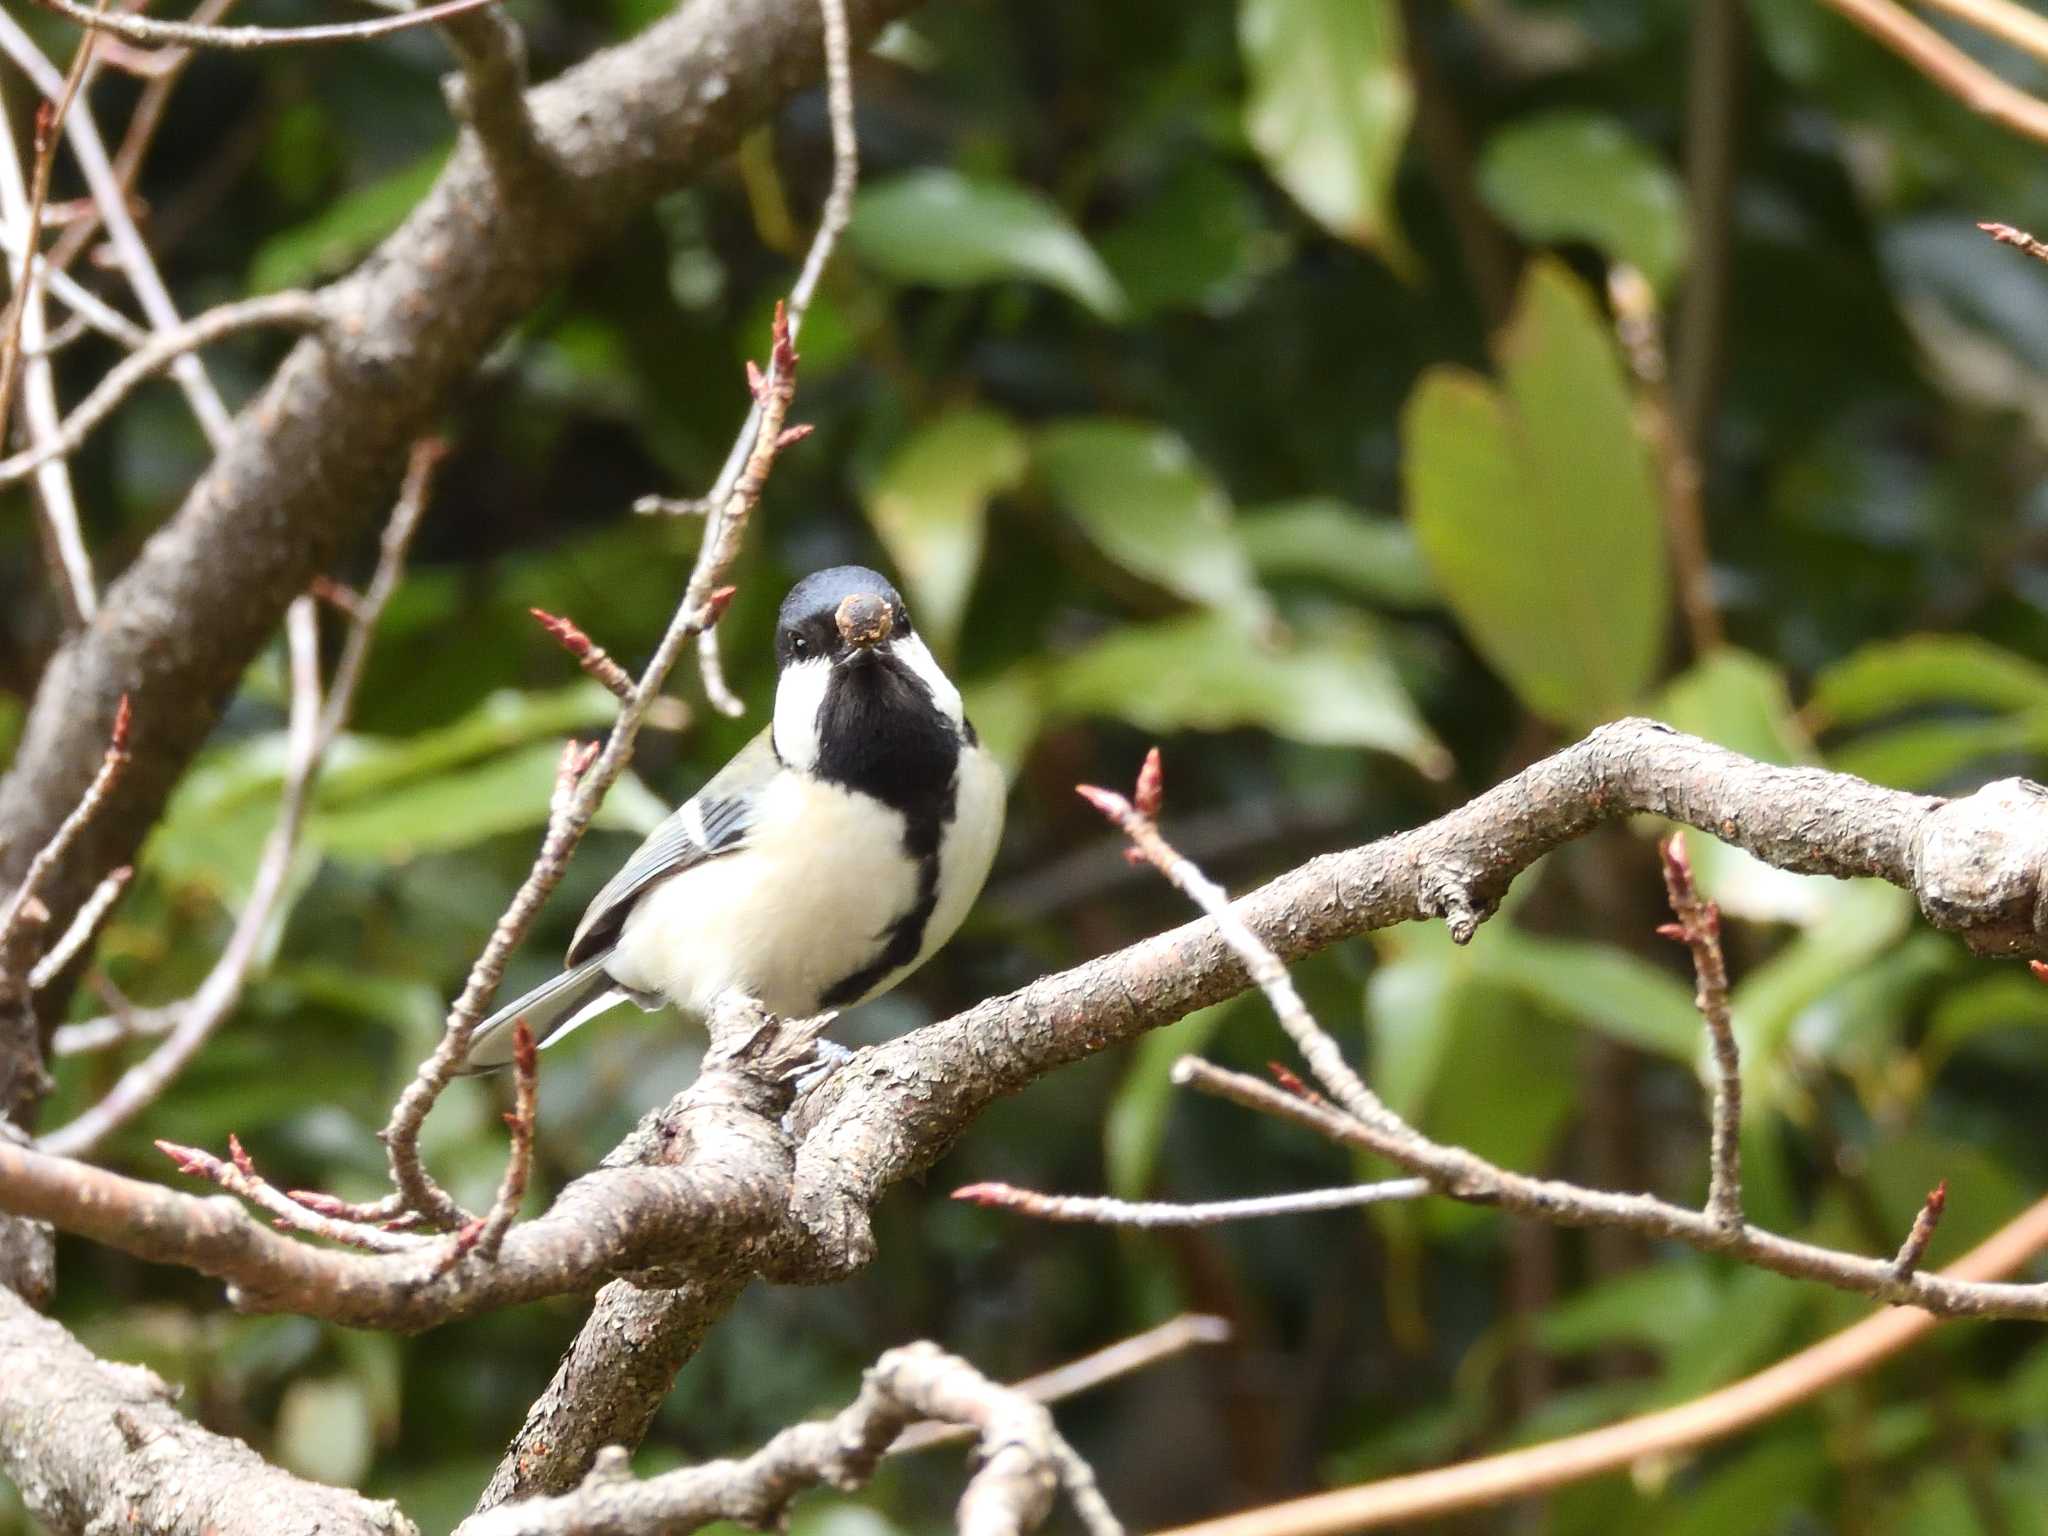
x=1154 y=368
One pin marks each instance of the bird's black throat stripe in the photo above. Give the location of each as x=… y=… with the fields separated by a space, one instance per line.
x=880 y=734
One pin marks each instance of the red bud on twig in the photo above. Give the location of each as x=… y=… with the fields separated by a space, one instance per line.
x=1151 y=785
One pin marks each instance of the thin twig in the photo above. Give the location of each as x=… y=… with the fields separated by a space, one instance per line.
x=725 y=508
x=293 y=309
x=164 y=70
x=1642 y=341
x=85 y=923
x=2005 y=234
x=590 y=656
x=1699 y=929
x=1136 y=821
x=313 y=728
x=1948 y=67
x=130 y=249
x=1139 y=1352
x=1103 y=1211
x=1914 y=1248
x=49 y=120
x=2014 y=24
x=144 y=30
x=112 y=762
x=63 y=546
x=239 y=1177
x=519 y=1159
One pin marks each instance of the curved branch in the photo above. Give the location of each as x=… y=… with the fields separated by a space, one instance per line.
x=146 y=30
x=731 y=1206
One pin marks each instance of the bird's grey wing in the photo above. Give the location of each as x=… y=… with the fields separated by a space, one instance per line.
x=712 y=822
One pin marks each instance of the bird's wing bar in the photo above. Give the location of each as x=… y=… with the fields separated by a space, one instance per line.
x=712 y=822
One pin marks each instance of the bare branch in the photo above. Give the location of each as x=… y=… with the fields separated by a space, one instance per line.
x=1914 y=1248
x=2014 y=24
x=144 y=30
x=49 y=118
x=1023 y=1460
x=2005 y=234
x=1653 y=1437
x=726 y=508
x=18 y=905
x=130 y=250
x=1125 y=1357
x=1948 y=67
x=1138 y=824
x=22 y=207
x=95 y=1446
x=731 y=1208
x=590 y=656
x=239 y=1177
x=1699 y=929
x=292 y=309
x=1101 y=1211
x=313 y=729
x=85 y=924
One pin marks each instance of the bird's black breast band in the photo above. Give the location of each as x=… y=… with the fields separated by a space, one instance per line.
x=880 y=734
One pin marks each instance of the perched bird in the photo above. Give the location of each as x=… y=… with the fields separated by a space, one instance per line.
x=823 y=864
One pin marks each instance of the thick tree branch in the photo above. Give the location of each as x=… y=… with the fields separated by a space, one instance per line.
x=1023 y=1461
x=725 y=1209
x=100 y=1447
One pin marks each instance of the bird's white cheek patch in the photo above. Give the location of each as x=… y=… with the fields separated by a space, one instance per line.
x=945 y=697
x=799 y=694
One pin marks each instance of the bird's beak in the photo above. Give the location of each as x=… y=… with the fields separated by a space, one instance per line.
x=864 y=621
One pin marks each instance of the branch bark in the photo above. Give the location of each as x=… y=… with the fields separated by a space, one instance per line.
x=95 y=1446
x=731 y=1204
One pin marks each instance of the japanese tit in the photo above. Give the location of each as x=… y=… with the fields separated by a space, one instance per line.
x=823 y=864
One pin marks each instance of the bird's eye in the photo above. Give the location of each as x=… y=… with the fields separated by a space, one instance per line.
x=799 y=646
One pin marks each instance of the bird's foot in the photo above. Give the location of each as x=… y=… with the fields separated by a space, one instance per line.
x=826 y=1057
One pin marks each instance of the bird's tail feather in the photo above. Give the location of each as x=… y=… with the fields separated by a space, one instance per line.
x=551 y=1010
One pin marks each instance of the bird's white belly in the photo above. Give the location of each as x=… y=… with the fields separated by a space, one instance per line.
x=807 y=902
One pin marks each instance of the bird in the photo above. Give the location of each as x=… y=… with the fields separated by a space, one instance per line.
x=829 y=859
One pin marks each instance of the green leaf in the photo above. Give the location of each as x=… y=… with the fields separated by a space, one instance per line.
x=1199 y=242
x=1923 y=754
x=1145 y=502
x=1597 y=984
x=1211 y=672
x=1658 y=1306
x=1328 y=108
x=1865 y=918
x=939 y=227
x=1136 y=1122
x=1539 y=514
x=338 y=236
x=325 y=1430
x=1891 y=675
x=442 y=811
x=1006 y=713
x=1583 y=176
x=929 y=505
x=1322 y=538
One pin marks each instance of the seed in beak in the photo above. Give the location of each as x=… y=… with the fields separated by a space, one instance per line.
x=864 y=620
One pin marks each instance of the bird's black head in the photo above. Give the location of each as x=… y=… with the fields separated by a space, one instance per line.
x=859 y=699
x=839 y=614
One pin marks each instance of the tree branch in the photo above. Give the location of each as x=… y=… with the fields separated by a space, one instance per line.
x=100 y=1447
x=729 y=1208
x=1023 y=1460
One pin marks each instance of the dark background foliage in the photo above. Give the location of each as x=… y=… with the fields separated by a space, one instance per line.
x=1160 y=368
